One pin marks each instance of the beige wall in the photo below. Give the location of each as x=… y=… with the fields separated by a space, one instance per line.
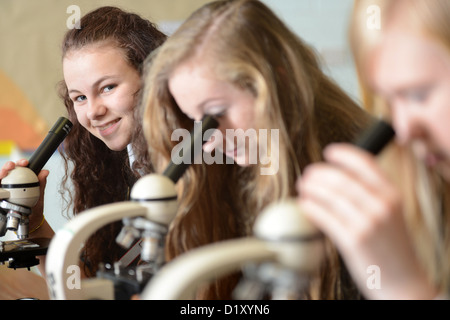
x=30 y=62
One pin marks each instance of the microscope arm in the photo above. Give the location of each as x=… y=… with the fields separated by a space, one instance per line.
x=64 y=249
x=180 y=277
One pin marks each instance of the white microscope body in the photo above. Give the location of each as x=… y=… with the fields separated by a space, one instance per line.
x=282 y=237
x=285 y=249
x=20 y=192
x=154 y=199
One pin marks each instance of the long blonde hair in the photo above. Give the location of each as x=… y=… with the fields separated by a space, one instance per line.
x=247 y=45
x=426 y=193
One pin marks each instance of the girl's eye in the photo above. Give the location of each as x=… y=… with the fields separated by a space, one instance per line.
x=216 y=113
x=109 y=88
x=220 y=114
x=418 y=95
x=80 y=99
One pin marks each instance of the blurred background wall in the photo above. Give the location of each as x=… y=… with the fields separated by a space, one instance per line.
x=30 y=62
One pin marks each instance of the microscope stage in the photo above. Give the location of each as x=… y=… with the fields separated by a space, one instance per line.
x=22 y=253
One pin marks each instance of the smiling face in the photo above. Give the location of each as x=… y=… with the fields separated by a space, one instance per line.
x=198 y=92
x=413 y=74
x=103 y=88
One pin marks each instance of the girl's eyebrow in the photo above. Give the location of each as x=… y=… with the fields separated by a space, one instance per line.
x=96 y=83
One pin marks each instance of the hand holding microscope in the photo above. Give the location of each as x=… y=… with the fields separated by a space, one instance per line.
x=18 y=194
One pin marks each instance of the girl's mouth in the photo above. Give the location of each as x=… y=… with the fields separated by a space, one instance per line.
x=108 y=128
x=433 y=159
x=232 y=153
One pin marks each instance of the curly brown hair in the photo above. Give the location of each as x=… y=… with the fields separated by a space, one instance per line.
x=96 y=175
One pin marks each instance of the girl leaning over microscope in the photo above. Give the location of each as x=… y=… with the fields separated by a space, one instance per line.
x=395 y=217
x=237 y=61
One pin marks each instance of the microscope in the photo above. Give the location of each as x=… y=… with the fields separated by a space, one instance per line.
x=145 y=217
x=18 y=194
x=277 y=262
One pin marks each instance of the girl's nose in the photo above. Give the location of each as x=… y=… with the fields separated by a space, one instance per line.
x=408 y=125
x=96 y=109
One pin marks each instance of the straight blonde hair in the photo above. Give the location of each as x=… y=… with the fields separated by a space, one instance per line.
x=245 y=44
x=426 y=193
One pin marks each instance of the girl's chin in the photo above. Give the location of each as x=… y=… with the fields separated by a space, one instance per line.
x=116 y=146
x=242 y=161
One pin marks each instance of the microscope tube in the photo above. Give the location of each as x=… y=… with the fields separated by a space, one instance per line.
x=22 y=230
x=13 y=220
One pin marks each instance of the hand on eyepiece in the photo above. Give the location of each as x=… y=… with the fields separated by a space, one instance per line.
x=354 y=202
